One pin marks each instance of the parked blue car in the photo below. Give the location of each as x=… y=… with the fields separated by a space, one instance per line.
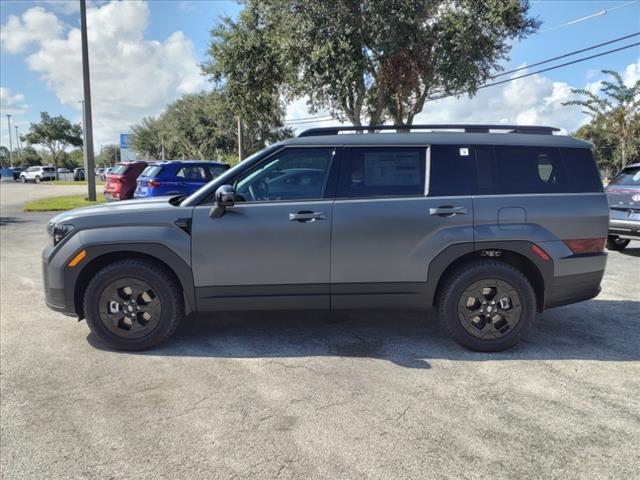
x=176 y=177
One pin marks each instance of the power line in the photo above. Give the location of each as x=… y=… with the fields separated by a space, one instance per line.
x=569 y=54
x=578 y=60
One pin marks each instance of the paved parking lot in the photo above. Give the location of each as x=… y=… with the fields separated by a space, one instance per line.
x=288 y=396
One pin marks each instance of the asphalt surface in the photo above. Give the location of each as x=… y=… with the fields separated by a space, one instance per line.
x=289 y=396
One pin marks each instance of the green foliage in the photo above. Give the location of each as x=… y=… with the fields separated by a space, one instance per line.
x=28 y=157
x=109 y=155
x=5 y=158
x=201 y=127
x=56 y=134
x=73 y=159
x=362 y=58
x=615 y=121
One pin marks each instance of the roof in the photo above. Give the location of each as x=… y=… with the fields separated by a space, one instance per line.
x=439 y=138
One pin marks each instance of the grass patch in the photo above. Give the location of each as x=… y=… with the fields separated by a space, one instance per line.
x=58 y=204
x=69 y=182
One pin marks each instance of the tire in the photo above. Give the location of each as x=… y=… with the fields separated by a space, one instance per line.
x=497 y=332
x=109 y=328
x=616 y=243
x=37 y=179
x=23 y=179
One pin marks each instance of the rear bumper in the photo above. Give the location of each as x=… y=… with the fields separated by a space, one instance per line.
x=580 y=279
x=624 y=228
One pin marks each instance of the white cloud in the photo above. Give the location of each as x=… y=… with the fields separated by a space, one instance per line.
x=631 y=74
x=131 y=77
x=11 y=104
x=36 y=25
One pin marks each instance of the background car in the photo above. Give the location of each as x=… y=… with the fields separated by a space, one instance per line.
x=121 y=182
x=38 y=174
x=78 y=174
x=63 y=170
x=105 y=173
x=623 y=193
x=16 y=172
x=176 y=177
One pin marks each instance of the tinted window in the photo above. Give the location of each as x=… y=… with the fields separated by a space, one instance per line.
x=216 y=170
x=582 y=172
x=379 y=172
x=525 y=170
x=452 y=170
x=48 y=169
x=119 y=169
x=291 y=174
x=629 y=176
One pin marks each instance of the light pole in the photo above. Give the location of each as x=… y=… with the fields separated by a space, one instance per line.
x=10 y=144
x=17 y=140
x=84 y=141
x=88 y=129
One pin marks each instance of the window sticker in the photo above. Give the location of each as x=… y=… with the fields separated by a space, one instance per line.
x=464 y=152
x=636 y=177
x=392 y=168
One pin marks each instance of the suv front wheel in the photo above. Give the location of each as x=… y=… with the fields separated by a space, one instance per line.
x=133 y=305
x=487 y=305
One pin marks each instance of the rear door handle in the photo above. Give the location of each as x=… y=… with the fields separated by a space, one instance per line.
x=447 y=211
x=306 y=216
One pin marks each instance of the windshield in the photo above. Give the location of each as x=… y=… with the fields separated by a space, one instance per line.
x=628 y=177
x=119 y=169
x=207 y=189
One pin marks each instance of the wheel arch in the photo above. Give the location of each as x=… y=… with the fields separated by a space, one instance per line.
x=517 y=254
x=103 y=255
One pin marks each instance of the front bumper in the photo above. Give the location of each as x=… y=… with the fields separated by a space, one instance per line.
x=56 y=296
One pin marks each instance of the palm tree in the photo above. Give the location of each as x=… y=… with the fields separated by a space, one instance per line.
x=617 y=112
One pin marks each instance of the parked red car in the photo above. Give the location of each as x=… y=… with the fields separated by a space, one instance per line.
x=121 y=182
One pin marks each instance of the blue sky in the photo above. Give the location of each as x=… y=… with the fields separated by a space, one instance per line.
x=164 y=41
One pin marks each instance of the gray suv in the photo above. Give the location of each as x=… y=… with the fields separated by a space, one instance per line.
x=487 y=227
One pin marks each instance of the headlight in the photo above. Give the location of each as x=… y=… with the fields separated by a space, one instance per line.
x=58 y=231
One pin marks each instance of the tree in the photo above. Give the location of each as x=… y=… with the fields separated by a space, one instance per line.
x=28 y=157
x=109 y=155
x=363 y=58
x=202 y=127
x=615 y=118
x=146 y=138
x=56 y=134
x=5 y=158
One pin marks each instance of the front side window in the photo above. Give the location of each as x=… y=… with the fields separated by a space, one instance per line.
x=291 y=174
x=382 y=172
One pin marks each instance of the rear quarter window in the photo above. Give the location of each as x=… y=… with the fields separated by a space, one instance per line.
x=581 y=169
x=151 y=171
x=119 y=169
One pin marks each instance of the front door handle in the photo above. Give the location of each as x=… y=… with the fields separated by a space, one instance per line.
x=306 y=216
x=447 y=211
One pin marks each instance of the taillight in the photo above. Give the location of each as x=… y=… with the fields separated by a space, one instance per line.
x=153 y=183
x=586 y=245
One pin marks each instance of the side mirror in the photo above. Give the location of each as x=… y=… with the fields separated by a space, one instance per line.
x=225 y=196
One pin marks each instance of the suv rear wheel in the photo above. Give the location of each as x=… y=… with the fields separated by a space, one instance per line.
x=486 y=305
x=133 y=305
x=616 y=243
x=37 y=178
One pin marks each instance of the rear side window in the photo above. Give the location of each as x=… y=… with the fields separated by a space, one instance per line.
x=216 y=170
x=192 y=173
x=119 y=169
x=451 y=171
x=525 y=170
x=382 y=172
x=152 y=171
x=628 y=177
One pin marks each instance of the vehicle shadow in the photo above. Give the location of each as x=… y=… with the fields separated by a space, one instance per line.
x=9 y=220
x=604 y=330
x=631 y=252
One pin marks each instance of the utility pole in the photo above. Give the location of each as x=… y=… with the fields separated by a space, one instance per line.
x=240 y=140
x=87 y=128
x=17 y=140
x=10 y=145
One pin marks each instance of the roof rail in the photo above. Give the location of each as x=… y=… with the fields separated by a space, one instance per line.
x=467 y=128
